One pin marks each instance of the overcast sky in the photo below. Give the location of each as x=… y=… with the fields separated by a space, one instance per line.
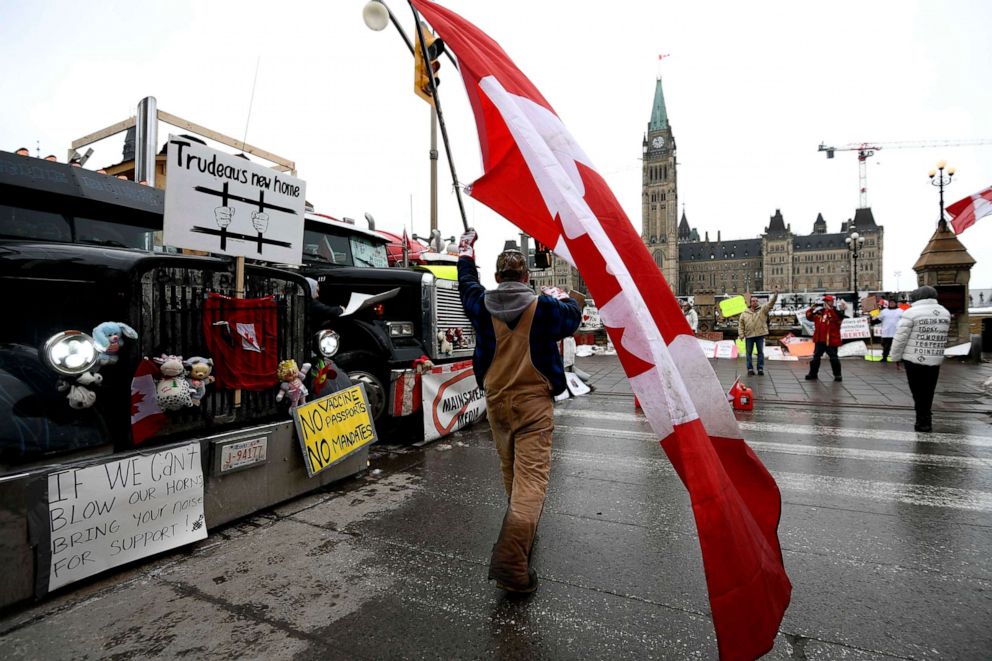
x=751 y=90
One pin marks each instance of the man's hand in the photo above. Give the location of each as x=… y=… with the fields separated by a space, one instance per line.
x=554 y=292
x=224 y=216
x=466 y=244
x=260 y=220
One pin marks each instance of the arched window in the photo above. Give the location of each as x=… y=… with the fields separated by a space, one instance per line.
x=658 y=258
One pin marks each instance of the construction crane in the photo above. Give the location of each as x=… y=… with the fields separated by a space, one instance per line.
x=866 y=150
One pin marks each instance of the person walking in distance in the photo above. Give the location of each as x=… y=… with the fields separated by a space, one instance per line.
x=752 y=325
x=826 y=335
x=691 y=316
x=517 y=362
x=889 y=319
x=919 y=343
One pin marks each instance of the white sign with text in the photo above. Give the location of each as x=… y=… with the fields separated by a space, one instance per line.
x=452 y=399
x=854 y=329
x=230 y=206
x=106 y=515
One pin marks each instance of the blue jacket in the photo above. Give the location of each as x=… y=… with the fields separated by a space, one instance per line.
x=553 y=320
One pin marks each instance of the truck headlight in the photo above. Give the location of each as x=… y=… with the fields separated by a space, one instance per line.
x=70 y=352
x=400 y=328
x=328 y=343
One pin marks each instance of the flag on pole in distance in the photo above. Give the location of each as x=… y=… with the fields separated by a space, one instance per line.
x=538 y=177
x=965 y=212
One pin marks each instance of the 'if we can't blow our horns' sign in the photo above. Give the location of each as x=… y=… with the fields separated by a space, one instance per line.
x=228 y=205
x=334 y=427
x=109 y=514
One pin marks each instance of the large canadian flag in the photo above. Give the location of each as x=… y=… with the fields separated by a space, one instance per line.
x=538 y=177
x=965 y=212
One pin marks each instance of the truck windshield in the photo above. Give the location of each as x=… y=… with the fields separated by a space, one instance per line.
x=19 y=223
x=355 y=250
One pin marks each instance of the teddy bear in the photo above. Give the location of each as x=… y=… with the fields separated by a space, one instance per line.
x=79 y=394
x=292 y=382
x=108 y=338
x=444 y=344
x=199 y=377
x=172 y=391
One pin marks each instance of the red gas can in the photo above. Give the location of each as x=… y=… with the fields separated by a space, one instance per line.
x=741 y=396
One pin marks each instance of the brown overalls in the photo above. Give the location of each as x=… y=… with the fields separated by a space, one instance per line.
x=519 y=403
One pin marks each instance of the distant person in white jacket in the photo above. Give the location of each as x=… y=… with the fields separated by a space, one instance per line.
x=889 y=319
x=691 y=316
x=920 y=339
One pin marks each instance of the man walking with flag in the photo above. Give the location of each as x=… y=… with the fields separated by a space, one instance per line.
x=538 y=177
x=517 y=362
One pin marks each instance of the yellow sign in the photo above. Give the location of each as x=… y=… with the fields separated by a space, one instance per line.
x=333 y=427
x=733 y=306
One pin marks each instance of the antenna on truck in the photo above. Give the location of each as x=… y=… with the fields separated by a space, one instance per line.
x=251 y=102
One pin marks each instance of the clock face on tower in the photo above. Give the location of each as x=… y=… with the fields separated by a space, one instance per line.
x=658 y=142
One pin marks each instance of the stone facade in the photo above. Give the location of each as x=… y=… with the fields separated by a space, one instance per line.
x=818 y=261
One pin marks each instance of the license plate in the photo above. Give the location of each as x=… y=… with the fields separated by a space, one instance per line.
x=243 y=454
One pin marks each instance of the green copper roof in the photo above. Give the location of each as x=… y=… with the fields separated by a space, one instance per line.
x=659 y=116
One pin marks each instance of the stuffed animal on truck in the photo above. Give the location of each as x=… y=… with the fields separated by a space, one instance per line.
x=79 y=391
x=199 y=377
x=292 y=383
x=109 y=338
x=172 y=391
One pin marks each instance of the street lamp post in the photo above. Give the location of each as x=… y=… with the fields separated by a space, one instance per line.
x=938 y=179
x=377 y=16
x=854 y=243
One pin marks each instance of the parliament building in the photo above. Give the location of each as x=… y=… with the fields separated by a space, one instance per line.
x=693 y=263
x=795 y=261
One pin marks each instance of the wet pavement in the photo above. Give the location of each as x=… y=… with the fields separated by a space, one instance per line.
x=961 y=386
x=886 y=536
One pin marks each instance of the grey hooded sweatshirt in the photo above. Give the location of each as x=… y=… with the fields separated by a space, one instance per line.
x=508 y=301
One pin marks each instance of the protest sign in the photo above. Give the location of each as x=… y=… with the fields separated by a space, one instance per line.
x=574 y=387
x=708 y=347
x=726 y=349
x=801 y=348
x=334 y=427
x=733 y=306
x=958 y=350
x=854 y=329
x=452 y=399
x=228 y=205
x=106 y=515
x=852 y=349
x=773 y=352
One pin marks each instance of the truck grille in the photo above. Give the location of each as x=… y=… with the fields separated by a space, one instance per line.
x=170 y=313
x=449 y=318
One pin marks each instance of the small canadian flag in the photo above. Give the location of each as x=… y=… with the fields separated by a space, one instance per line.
x=146 y=416
x=965 y=212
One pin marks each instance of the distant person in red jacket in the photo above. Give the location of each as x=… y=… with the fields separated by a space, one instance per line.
x=826 y=335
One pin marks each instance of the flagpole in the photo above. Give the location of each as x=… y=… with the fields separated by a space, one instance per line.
x=440 y=116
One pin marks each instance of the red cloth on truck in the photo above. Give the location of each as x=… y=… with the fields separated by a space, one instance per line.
x=241 y=336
